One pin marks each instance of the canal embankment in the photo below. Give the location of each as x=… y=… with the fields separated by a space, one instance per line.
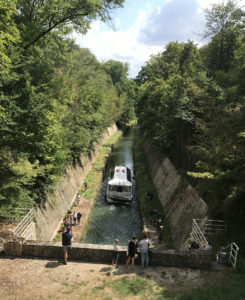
x=179 y=200
x=99 y=252
x=91 y=192
x=48 y=217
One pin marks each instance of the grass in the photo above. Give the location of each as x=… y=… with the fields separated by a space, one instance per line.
x=225 y=286
x=95 y=175
x=230 y=286
x=98 y=289
x=132 y=286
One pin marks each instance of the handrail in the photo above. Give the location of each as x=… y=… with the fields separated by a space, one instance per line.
x=211 y=226
x=197 y=234
x=23 y=225
x=233 y=250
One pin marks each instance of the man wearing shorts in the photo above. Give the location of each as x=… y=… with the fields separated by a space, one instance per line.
x=66 y=242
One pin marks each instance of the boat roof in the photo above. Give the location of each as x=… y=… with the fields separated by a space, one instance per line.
x=120 y=177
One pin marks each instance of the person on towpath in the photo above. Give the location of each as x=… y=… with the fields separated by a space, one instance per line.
x=79 y=215
x=78 y=198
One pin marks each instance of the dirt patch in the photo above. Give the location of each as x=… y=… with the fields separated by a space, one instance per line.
x=48 y=279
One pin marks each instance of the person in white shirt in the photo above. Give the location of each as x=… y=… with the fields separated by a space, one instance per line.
x=115 y=255
x=144 y=248
x=74 y=217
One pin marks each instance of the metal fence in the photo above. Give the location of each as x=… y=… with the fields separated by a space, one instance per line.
x=209 y=227
x=24 y=228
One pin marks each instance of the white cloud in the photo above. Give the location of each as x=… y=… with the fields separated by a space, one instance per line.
x=176 y=20
x=119 y=45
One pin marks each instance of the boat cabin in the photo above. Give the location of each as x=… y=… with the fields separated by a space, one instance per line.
x=119 y=188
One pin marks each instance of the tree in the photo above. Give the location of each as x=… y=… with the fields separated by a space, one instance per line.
x=38 y=18
x=223 y=24
x=56 y=99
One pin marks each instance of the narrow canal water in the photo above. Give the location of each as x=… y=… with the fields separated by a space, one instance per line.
x=109 y=221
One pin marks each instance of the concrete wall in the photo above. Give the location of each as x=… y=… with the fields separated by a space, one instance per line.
x=180 y=201
x=103 y=254
x=49 y=216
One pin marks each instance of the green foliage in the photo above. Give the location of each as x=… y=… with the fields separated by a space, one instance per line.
x=131 y=286
x=38 y=18
x=225 y=288
x=190 y=102
x=126 y=90
x=56 y=99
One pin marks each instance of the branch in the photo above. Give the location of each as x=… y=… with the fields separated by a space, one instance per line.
x=50 y=28
x=65 y=19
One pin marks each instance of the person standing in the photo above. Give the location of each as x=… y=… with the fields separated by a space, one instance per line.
x=132 y=251
x=79 y=215
x=144 y=248
x=78 y=198
x=115 y=254
x=74 y=217
x=66 y=243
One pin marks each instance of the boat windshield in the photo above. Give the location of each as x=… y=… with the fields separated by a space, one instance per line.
x=119 y=188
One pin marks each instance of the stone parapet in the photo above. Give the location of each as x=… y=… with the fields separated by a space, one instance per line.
x=103 y=254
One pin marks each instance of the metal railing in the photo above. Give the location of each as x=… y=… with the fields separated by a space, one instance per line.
x=197 y=235
x=23 y=229
x=232 y=249
x=209 y=227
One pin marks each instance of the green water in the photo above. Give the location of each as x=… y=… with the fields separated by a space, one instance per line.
x=109 y=221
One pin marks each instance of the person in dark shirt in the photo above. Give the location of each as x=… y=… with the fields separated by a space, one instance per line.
x=79 y=215
x=66 y=242
x=132 y=251
x=193 y=245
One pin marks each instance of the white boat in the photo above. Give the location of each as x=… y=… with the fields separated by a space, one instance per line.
x=119 y=188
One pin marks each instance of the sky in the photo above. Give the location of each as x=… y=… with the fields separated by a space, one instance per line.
x=144 y=27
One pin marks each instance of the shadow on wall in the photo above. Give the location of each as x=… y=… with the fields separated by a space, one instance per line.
x=179 y=199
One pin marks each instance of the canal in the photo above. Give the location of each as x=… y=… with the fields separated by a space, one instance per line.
x=109 y=221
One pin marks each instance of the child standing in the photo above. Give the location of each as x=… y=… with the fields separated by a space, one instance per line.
x=115 y=255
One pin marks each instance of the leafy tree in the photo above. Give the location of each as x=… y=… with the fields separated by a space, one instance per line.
x=9 y=35
x=38 y=18
x=56 y=98
x=118 y=72
x=191 y=103
x=224 y=22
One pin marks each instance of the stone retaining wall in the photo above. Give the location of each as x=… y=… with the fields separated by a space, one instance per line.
x=103 y=254
x=49 y=216
x=180 y=201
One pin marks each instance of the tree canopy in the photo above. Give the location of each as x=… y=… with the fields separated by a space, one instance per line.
x=56 y=98
x=190 y=101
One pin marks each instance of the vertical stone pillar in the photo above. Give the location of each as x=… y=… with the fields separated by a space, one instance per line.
x=12 y=246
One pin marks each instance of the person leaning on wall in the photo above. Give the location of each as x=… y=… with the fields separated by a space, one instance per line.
x=66 y=243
